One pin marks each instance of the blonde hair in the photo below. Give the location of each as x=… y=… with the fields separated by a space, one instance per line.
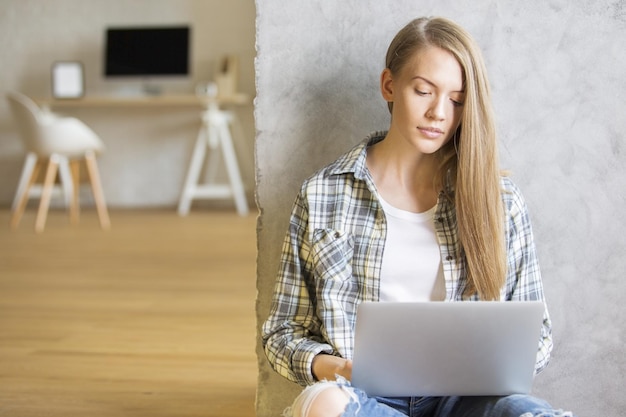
x=469 y=170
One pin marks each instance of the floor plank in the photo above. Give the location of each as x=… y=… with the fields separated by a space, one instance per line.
x=152 y=318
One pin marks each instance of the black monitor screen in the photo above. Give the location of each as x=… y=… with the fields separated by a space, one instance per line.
x=155 y=51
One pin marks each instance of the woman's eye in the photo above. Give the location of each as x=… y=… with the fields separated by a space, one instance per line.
x=456 y=103
x=420 y=92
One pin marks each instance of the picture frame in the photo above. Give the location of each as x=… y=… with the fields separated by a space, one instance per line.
x=68 y=80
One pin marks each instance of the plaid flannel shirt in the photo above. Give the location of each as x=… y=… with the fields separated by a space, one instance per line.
x=331 y=261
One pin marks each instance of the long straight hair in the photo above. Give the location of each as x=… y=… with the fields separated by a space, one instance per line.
x=469 y=169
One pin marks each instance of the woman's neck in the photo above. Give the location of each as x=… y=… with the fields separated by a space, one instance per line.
x=405 y=179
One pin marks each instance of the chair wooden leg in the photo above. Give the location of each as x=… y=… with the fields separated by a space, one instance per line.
x=46 y=193
x=96 y=187
x=74 y=203
x=20 y=204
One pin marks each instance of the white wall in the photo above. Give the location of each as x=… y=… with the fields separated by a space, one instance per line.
x=557 y=71
x=148 y=150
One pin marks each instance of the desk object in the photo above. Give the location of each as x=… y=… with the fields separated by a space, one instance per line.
x=68 y=80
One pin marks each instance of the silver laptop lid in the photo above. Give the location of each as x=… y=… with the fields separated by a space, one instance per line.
x=446 y=348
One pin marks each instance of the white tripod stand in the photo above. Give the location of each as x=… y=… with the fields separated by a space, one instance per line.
x=215 y=135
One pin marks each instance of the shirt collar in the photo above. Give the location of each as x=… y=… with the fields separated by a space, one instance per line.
x=355 y=160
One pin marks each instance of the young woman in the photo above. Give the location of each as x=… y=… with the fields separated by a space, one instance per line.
x=417 y=213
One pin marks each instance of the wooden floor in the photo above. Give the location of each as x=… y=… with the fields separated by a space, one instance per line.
x=152 y=318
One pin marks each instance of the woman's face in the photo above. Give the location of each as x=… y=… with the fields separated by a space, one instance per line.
x=427 y=97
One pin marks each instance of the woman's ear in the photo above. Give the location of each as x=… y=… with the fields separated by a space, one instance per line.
x=386 y=85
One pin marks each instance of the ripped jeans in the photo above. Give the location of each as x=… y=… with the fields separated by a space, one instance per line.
x=361 y=405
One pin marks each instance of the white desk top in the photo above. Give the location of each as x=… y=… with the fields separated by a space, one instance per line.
x=165 y=100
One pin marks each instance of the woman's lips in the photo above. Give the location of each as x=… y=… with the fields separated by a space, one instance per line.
x=431 y=132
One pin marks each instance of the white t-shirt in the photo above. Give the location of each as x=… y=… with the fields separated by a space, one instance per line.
x=411 y=268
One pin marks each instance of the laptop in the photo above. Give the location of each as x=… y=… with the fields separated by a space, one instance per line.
x=446 y=348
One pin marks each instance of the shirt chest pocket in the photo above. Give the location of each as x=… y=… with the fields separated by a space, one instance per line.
x=332 y=252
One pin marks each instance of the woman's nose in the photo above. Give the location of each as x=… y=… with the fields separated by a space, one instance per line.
x=436 y=110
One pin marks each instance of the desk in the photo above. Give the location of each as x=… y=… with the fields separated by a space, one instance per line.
x=214 y=136
x=165 y=100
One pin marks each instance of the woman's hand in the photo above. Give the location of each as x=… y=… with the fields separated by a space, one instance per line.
x=328 y=366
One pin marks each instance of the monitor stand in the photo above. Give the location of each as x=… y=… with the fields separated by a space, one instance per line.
x=137 y=89
x=151 y=89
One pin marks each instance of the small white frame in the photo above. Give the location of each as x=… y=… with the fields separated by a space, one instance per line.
x=68 y=79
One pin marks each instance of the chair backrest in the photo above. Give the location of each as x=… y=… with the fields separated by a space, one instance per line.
x=27 y=115
x=45 y=133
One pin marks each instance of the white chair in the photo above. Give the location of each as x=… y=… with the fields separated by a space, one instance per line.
x=63 y=143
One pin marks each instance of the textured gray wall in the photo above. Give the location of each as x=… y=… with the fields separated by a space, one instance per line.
x=557 y=70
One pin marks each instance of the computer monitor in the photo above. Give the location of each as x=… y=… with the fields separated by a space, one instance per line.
x=147 y=51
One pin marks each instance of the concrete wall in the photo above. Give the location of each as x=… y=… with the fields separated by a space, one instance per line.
x=557 y=71
x=148 y=150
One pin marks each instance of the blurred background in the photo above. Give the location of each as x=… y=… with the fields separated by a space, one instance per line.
x=147 y=148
